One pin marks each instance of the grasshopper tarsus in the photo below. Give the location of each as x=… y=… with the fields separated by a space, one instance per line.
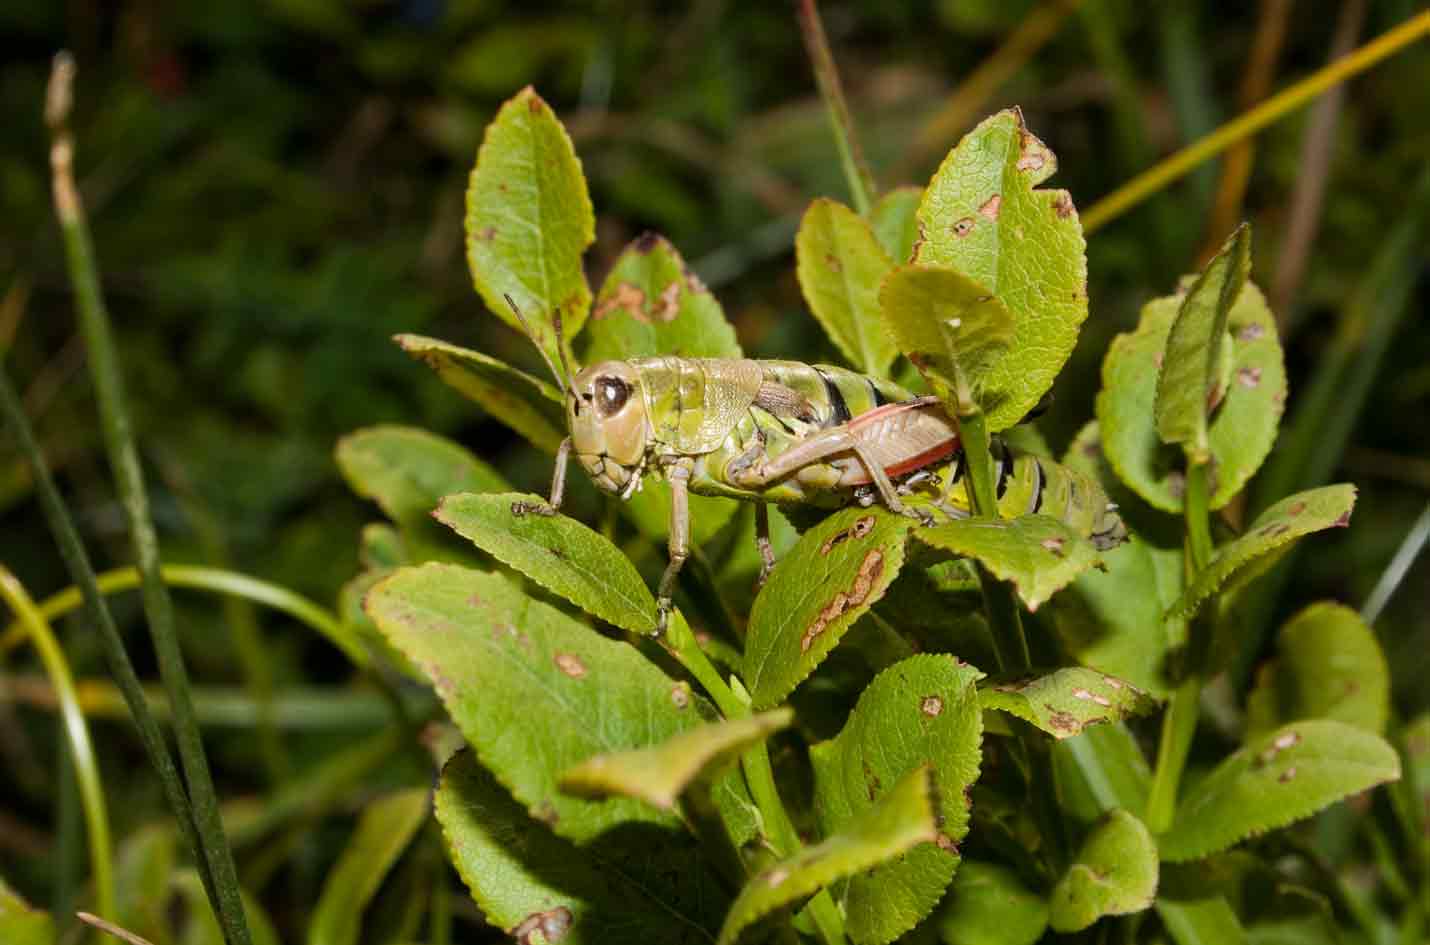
x=544 y=509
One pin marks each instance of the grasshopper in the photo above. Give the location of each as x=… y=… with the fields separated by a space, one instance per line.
x=789 y=433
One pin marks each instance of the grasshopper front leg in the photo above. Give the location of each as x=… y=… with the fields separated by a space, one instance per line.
x=762 y=542
x=678 y=475
x=558 y=487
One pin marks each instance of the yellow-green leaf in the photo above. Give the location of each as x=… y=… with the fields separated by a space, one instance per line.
x=840 y=265
x=1067 y=700
x=982 y=216
x=21 y=923
x=1038 y=554
x=529 y=219
x=990 y=905
x=895 y=222
x=1114 y=873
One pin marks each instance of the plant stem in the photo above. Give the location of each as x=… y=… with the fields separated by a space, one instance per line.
x=1399 y=566
x=1180 y=722
x=826 y=74
x=124 y=461
x=1010 y=644
x=81 y=749
x=1278 y=106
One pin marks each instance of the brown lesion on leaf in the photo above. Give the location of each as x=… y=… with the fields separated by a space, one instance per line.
x=1063 y=205
x=870 y=571
x=680 y=695
x=669 y=305
x=626 y=297
x=693 y=283
x=440 y=680
x=873 y=787
x=1063 y=724
x=1249 y=377
x=646 y=243
x=487 y=233
x=1296 y=508
x=1250 y=332
x=546 y=813
x=963 y=227
x=1286 y=776
x=570 y=664
x=1054 y=545
x=918 y=242
x=1274 y=530
x=946 y=843
x=932 y=706
x=860 y=529
x=990 y=208
x=1343 y=520
x=553 y=924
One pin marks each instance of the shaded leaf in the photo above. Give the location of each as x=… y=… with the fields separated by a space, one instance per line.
x=840 y=265
x=953 y=329
x=1330 y=666
x=1066 y=700
x=920 y=710
x=895 y=222
x=627 y=887
x=1101 y=769
x=1114 y=873
x=652 y=305
x=142 y=872
x=1246 y=557
x=1242 y=428
x=658 y=774
x=989 y=905
x=1207 y=921
x=529 y=219
x=1195 y=354
x=557 y=552
x=1039 y=554
x=1276 y=780
x=906 y=817
x=534 y=690
x=21 y=923
x=384 y=830
x=981 y=216
x=839 y=568
x=527 y=404
x=203 y=928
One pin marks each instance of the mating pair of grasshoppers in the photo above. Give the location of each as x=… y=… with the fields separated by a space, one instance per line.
x=788 y=433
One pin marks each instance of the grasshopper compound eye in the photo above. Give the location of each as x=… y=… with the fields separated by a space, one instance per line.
x=611 y=395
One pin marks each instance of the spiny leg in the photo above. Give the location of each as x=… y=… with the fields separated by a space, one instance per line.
x=679 y=546
x=886 y=486
x=558 y=487
x=762 y=542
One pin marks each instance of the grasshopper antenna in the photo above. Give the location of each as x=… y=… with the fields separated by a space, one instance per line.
x=567 y=383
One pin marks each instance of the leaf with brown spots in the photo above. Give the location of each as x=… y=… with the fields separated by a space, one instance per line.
x=982 y=216
x=921 y=709
x=1039 y=554
x=1247 y=557
x=1114 y=873
x=814 y=595
x=1275 y=780
x=630 y=885
x=1065 y=701
x=904 y=818
x=529 y=219
x=840 y=264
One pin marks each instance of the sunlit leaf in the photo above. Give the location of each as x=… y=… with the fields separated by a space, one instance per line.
x=1039 y=554
x=1065 y=701
x=21 y=923
x=982 y=216
x=840 y=265
x=990 y=905
x=921 y=710
x=1114 y=873
x=833 y=575
x=905 y=817
x=529 y=219
x=1275 y=780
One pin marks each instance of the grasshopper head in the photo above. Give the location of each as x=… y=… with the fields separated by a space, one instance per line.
x=606 y=413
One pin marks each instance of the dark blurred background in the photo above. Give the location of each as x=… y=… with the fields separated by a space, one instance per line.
x=276 y=187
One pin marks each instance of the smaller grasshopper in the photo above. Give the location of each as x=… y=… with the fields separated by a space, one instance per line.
x=784 y=432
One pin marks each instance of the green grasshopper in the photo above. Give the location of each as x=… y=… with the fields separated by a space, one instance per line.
x=789 y=433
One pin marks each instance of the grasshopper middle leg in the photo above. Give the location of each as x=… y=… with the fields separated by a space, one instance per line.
x=678 y=475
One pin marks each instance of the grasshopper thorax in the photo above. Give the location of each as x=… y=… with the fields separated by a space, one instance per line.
x=606 y=412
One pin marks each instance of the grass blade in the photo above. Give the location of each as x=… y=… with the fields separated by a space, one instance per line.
x=826 y=74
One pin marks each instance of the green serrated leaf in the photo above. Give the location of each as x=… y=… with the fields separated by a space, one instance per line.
x=840 y=265
x=1039 y=554
x=896 y=223
x=529 y=219
x=953 y=329
x=1065 y=701
x=628 y=887
x=21 y=923
x=1244 y=558
x=1276 y=780
x=906 y=817
x=557 y=552
x=651 y=304
x=989 y=905
x=981 y=216
x=527 y=404
x=1114 y=873
x=920 y=710
x=383 y=831
x=832 y=576
x=1243 y=426
x=534 y=690
x=1189 y=372
x=1329 y=666
x=658 y=774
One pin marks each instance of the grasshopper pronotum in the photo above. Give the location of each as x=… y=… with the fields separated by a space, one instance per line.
x=789 y=433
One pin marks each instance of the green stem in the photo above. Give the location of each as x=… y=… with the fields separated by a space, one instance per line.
x=1180 y=722
x=1010 y=644
x=1164 y=173
x=124 y=463
x=86 y=767
x=826 y=75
